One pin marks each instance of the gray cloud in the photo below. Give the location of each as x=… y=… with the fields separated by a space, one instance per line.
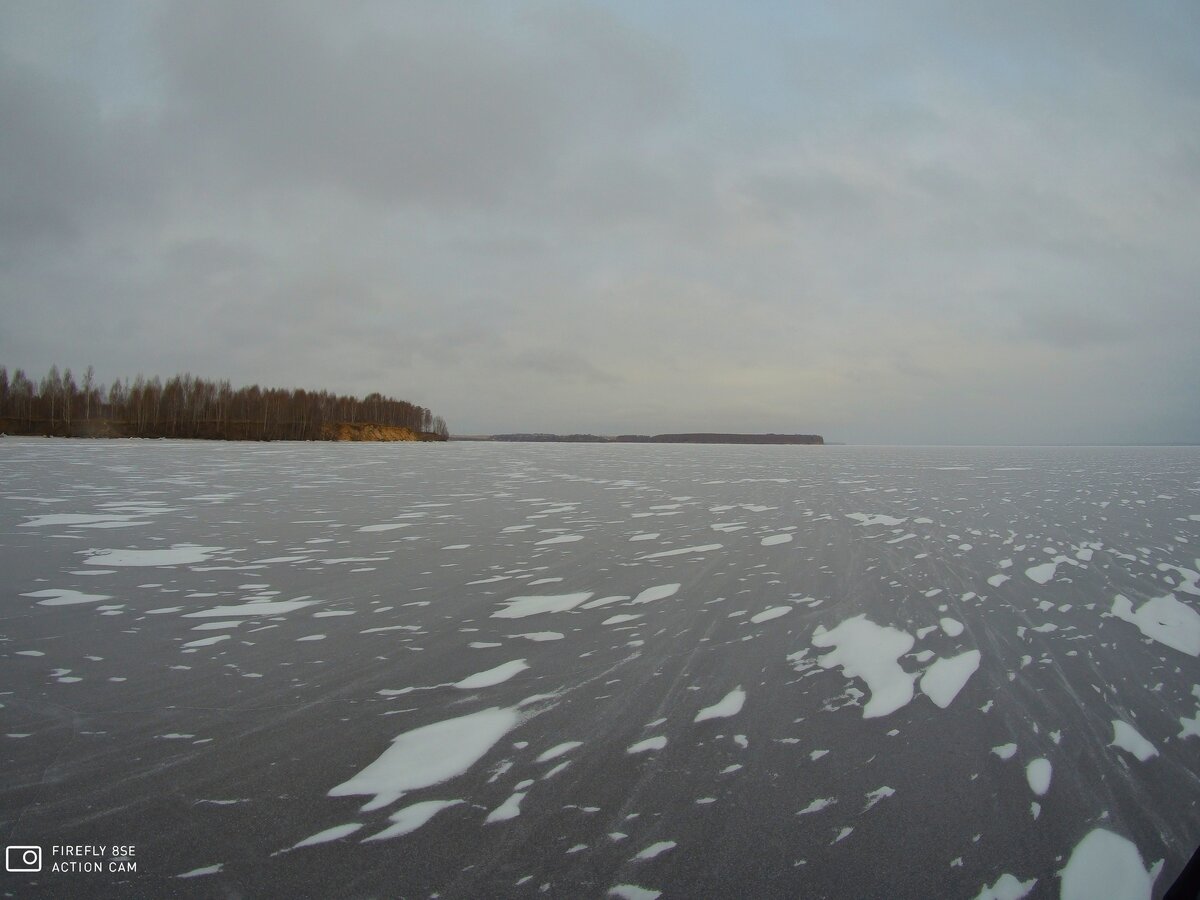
x=883 y=223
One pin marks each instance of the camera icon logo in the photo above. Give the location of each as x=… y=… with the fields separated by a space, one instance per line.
x=19 y=858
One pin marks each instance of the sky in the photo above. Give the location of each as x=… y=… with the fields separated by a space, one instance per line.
x=879 y=222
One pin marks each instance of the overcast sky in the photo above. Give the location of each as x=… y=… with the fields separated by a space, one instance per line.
x=881 y=222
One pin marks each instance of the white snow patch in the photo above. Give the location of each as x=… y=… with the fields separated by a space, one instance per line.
x=701 y=548
x=412 y=817
x=492 y=677
x=557 y=751
x=997 y=580
x=540 y=636
x=1164 y=619
x=1006 y=888
x=654 y=743
x=817 y=805
x=1005 y=751
x=208 y=641
x=870 y=652
x=874 y=519
x=509 y=809
x=329 y=834
x=1106 y=865
x=881 y=793
x=620 y=619
x=520 y=607
x=654 y=850
x=659 y=592
x=1038 y=773
x=387 y=526
x=604 y=601
x=560 y=539
x=952 y=627
x=768 y=614
x=633 y=892
x=203 y=870
x=56 y=597
x=945 y=678
x=178 y=555
x=729 y=705
x=1128 y=739
x=772 y=540
x=111 y=520
x=1044 y=572
x=429 y=755
x=258 y=609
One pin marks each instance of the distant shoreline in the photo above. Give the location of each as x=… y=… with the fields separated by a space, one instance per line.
x=699 y=437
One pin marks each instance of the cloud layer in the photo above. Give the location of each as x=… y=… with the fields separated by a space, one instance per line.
x=885 y=223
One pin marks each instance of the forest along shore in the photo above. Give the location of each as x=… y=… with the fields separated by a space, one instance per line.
x=188 y=407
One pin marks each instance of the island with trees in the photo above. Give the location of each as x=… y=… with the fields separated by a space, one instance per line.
x=696 y=437
x=185 y=406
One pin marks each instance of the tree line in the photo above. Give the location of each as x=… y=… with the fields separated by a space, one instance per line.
x=186 y=406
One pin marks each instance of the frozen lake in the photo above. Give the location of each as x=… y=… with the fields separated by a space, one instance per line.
x=568 y=670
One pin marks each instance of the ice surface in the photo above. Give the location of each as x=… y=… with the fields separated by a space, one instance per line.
x=429 y=755
x=56 y=597
x=179 y=555
x=1164 y=619
x=492 y=677
x=1106 y=865
x=520 y=607
x=870 y=652
x=110 y=704
x=1038 y=773
x=945 y=678
x=1007 y=887
x=729 y=705
x=768 y=614
x=1128 y=739
x=410 y=818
